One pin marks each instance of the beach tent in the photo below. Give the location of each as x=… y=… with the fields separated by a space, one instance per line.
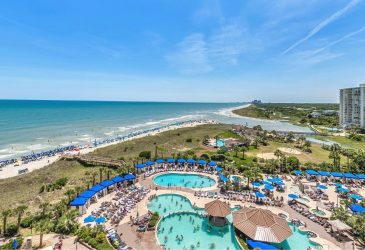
x=311 y=172
x=260 y=245
x=106 y=183
x=160 y=161
x=324 y=173
x=293 y=196
x=357 y=208
x=342 y=190
x=78 y=202
x=87 y=194
x=212 y=164
x=89 y=219
x=222 y=178
x=297 y=172
x=118 y=179
x=150 y=163
x=191 y=161
x=202 y=162
x=349 y=176
x=170 y=160
x=259 y=195
x=218 y=169
x=140 y=165
x=360 y=176
x=129 y=177
x=337 y=174
x=356 y=196
x=181 y=161
x=97 y=188
x=256 y=184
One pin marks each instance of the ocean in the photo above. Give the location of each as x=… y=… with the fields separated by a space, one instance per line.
x=34 y=126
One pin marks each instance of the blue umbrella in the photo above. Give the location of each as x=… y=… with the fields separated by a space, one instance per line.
x=170 y=160
x=356 y=196
x=322 y=187
x=343 y=190
x=256 y=184
x=293 y=196
x=266 y=183
x=89 y=219
x=191 y=161
x=140 y=165
x=160 y=161
x=218 y=169
x=100 y=220
x=181 y=160
x=280 y=183
x=202 y=162
x=338 y=185
x=259 y=195
x=357 y=208
x=212 y=164
x=297 y=172
x=271 y=180
x=269 y=187
x=149 y=163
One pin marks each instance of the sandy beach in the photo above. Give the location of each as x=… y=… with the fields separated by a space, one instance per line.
x=12 y=170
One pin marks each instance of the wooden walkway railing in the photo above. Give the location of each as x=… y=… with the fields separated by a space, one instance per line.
x=95 y=160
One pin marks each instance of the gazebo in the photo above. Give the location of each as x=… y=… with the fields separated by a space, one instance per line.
x=217 y=211
x=261 y=225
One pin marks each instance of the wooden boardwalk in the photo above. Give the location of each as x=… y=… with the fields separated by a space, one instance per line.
x=95 y=160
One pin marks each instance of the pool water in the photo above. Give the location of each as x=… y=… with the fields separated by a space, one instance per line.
x=170 y=203
x=196 y=231
x=318 y=212
x=220 y=143
x=298 y=241
x=184 y=180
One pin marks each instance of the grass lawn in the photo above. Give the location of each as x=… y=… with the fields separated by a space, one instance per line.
x=346 y=142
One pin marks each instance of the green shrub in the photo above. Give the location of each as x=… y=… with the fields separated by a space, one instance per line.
x=26 y=222
x=11 y=230
x=145 y=154
x=189 y=140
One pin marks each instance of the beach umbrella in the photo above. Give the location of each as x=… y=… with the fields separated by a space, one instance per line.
x=297 y=172
x=191 y=161
x=338 y=185
x=202 y=162
x=140 y=165
x=356 y=196
x=218 y=169
x=269 y=187
x=149 y=163
x=322 y=187
x=357 y=208
x=170 y=160
x=271 y=180
x=89 y=219
x=212 y=164
x=181 y=161
x=259 y=195
x=160 y=161
x=266 y=183
x=343 y=190
x=293 y=196
x=100 y=220
x=256 y=184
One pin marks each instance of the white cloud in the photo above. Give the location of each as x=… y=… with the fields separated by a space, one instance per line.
x=323 y=24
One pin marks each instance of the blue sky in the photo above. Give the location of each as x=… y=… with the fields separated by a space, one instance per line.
x=163 y=50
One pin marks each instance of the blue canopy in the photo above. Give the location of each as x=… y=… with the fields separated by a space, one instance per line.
x=87 y=194
x=266 y=183
x=256 y=184
x=322 y=187
x=337 y=174
x=259 y=195
x=311 y=172
x=297 y=172
x=150 y=163
x=181 y=160
x=293 y=196
x=100 y=220
x=356 y=196
x=129 y=177
x=222 y=178
x=97 y=188
x=212 y=164
x=170 y=160
x=118 y=179
x=79 y=202
x=106 y=183
x=202 y=162
x=276 y=179
x=269 y=187
x=338 y=185
x=160 y=161
x=260 y=245
x=191 y=161
x=270 y=180
x=218 y=169
x=349 y=176
x=360 y=176
x=357 y=208
x=140 y=165
x=324 y=173
x=89 y=219
x=343 y=190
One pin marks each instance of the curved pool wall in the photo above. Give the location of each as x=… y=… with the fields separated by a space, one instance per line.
x=196 y=231
x=184 y=180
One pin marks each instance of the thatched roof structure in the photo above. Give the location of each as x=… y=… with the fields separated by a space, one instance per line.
x=261 y=225
x=217 y=208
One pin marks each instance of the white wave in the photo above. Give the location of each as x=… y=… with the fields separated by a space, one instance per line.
x=229 y=111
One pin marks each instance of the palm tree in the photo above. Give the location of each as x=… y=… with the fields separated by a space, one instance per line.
x=244 y=149
x=20 y=212
x=100 y=175
x=43 y=226
x=249 y=174
x=6 y=213
x=236 y=149
x=78 y=190
x=94 y=174
x=44 y=208
x=69 y=193
x=335 y=155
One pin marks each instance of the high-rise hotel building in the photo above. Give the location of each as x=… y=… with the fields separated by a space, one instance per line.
x=352 y=106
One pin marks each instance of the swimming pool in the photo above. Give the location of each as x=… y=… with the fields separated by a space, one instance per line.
x=220 y=143
x=170 y=203
x=318 y=212
x=298 y=241
x=184 y=180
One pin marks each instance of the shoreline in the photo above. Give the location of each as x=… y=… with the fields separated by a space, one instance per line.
x=11 y=170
